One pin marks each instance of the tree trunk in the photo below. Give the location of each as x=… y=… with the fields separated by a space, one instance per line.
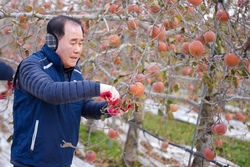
x=130 y=151
x=205 y=135
x=89 y=125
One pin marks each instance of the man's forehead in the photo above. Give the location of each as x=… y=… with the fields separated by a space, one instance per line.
x=71 y=26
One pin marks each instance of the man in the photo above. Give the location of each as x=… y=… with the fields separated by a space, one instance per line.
x=51 y=96
x=6 y=76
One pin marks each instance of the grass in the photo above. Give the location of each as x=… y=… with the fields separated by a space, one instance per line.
x=111 y=156
x=235 y=150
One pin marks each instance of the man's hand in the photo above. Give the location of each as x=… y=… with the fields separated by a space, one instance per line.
x=109 y=93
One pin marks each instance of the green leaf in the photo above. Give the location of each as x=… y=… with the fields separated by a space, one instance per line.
x=169 y=102
x=124 y=67
x=210 y=84
x=245 y=74
x=26 y=38
x=28 y=8
x=212 y=67
x=87 y=69
x=92 y=44
x=227 y=78
x=235 y=82
x=143 y=97
x=19 y=32
x=103 y=117
x=176 y=88
x=247 y=112
x=118 y=80
x=231 y=127
x=210 y=90
x=177 y=68
x=169 y=52
x=233 y=72
x=39 y=10
x=140 y=68
x=170 y=115
x=14 y=21
x=87 y=24
x=221 y=150
x=160 y=112
x=187 y=62
x=143 y=46
x=194 y=64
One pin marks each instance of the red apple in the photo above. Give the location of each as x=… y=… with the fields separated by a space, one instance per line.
x=209 y=154
x=90 y=156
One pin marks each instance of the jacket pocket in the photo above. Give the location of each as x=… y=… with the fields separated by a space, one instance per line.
x=34 y=136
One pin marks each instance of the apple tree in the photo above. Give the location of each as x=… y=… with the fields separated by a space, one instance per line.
x=192 y=51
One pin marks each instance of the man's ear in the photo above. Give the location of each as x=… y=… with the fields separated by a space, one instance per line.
x=52 y=41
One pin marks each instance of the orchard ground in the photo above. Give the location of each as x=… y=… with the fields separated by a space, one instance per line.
x=173 y=154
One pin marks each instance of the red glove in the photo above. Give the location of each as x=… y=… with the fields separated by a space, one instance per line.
x=109 y=93
x=115 y=110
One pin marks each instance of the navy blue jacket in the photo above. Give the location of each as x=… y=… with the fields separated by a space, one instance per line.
x=47 y=110
x=6 y=72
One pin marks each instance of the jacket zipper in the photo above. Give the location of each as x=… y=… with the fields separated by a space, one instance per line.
x=34 y=138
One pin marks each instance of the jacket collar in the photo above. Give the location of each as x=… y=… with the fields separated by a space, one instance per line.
x=54 y=57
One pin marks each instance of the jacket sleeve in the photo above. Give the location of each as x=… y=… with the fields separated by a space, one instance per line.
x=34 y=80
x=6 y=72
x=94 y=110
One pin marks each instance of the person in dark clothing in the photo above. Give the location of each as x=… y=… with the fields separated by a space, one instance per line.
x=6 y=72
x=6 y=76
x=51 y=96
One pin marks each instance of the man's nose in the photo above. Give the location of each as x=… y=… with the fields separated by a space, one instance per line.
x=78 y=48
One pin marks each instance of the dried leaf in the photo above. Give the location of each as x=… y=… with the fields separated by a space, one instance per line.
x=138 y=104
x=67 y=144
x=143 y=97
x=27 y=53
x=200 y=127
x=9 y=138
x=87 y=69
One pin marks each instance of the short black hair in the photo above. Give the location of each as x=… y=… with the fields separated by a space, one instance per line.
x=56 y=25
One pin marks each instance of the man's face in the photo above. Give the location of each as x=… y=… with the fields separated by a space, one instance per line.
x=70 y=45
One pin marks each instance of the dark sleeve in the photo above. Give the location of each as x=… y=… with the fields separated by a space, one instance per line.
x=6 y=72
x=94 y=109
x=34 y=80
